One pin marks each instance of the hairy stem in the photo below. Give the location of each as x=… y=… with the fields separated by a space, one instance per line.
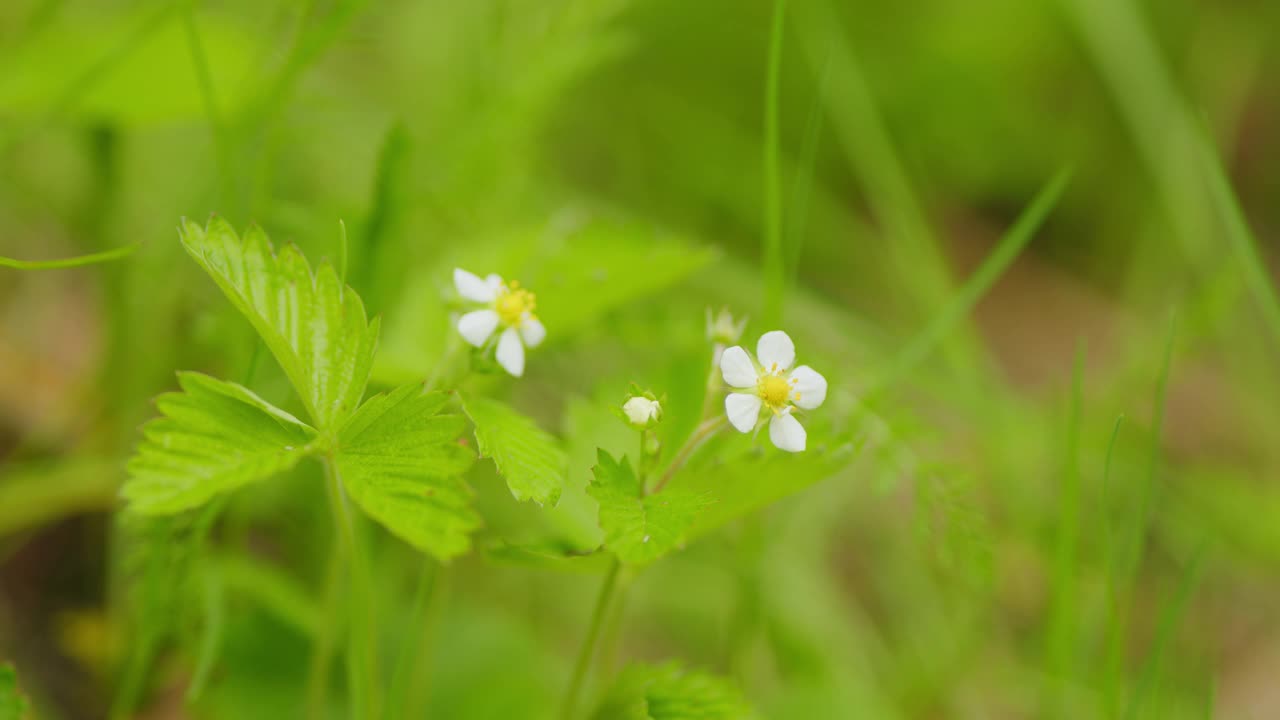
x=415 y=642
x=589 y=643
x=361 y=648
x=700 y=435
x=322 y=652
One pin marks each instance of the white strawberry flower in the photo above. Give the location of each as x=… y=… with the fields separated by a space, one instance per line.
x=509 y=310
x=764 y=383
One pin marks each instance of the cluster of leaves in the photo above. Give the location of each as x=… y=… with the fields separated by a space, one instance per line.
x=639 y=528
x=398 y=454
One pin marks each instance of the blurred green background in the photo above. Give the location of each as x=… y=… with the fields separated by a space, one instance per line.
x=1035 y=524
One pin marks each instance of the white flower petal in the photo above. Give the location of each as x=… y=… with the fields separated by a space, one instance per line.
x=477 y=326
x=532 y=331
x=473 y=288
x=737 y=369
x=775 y=348
x=494 y=281
x=786 y=432
x=511 y=352
x=809 y=389
x=640 y=411
x=743 y=410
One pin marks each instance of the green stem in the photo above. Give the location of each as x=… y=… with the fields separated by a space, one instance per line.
x=439 y=373
x=361 y=648
x=704 y=431
x=589 y=643
x=713 y=382
x=79 y=261
x=318 y=681
x=414 y=642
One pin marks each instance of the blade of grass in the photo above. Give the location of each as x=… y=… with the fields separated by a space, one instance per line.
x=869 y=149
x=1170 y=619
x=78 y=261
x=802 y=189
x=1111 y=680
x=1060 y=630
x=958 y=307
x=1129 y=556
x=1115 y=34
x=371 y=274
x=775 y=270
x=342 y=251
x=209 y=98
x=1241 y=236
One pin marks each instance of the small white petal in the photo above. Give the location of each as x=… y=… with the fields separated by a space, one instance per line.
x=775 y=348
x=786 y=432
x=809 y=389
x=532 y=331
x=494 y=281
x=737 y=369
x=477 y=326
x=743 y=410
x=511 y=352
x=473 y=288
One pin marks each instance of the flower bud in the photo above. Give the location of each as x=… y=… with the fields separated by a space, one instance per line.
x=642 y=412
x=721 y=328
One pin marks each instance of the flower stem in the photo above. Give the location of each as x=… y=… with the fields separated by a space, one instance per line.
x=361 y=648
x=713 y=382
x=453 y=346
x=589 y=643
x=322 y=652
x=700 y=435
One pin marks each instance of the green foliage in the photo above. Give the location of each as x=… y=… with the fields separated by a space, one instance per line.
x=214 y=437
x=12 y=705
x=314 y=325
x=641 y=528
x=397 y=456
x=399 y=459
x=670 y=692
x=528 y=457
x=612 y=263
x=754 y=480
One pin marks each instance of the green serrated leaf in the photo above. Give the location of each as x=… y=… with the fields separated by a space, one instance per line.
x=400 y=460
x=313 y=324
x=641 y=528
x=214 y=437
x=669 y=692
x=12 y=705
x=529 y=458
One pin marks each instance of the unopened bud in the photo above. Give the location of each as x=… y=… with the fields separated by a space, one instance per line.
x=642 y=412
x=722 y=329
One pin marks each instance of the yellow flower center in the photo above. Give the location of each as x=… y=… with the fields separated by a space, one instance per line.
x=512 y=304
x=774 y=390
